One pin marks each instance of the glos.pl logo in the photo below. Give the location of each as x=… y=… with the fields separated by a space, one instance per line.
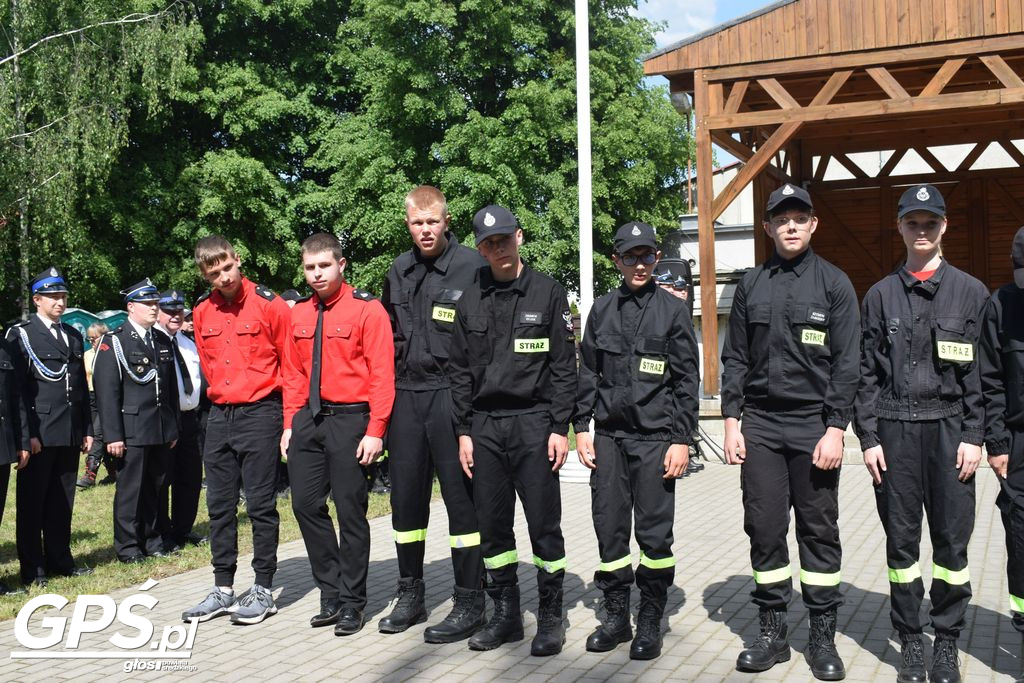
x=94 y=613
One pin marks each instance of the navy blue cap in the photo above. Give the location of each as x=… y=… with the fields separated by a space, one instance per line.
x=922 y=198
x=48 y=282
x=788 y=193
x=493 y=220
x=173 y=300
x=635 y=234
x=143 y=290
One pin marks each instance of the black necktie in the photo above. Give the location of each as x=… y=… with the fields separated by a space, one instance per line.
x=60 y=337
x=186 y=378
x=314 y=368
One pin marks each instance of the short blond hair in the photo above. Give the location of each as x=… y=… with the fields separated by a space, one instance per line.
x=212 y=250
x=424 y=197
x=96 y=330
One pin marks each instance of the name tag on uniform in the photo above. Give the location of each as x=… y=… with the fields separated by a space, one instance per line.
x=531 y=346
x=956 y=351
x=443 y=314
x=652 y=367
x=815 y=337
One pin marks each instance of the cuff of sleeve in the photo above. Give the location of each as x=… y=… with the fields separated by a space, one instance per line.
x=975 y=437
x=868 y=440
x=461 y=430
x=838 y=421
x=731 y=411
x=685 y=439
x=997 y=446
x=560 y=428
x=376 y=428
x=581 y=426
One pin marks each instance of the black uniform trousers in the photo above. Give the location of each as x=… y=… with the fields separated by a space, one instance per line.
x=1011 y=506
x=510 y=455
x=183 y=482
x=776 y=475
x=322 y=459
x=98 y=451
x=421 y=439
x=921 y=470
x=45 y=499
x=242 y=449
x=628 y=485
x=137 y=527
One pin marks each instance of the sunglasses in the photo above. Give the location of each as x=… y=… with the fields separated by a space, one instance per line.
x=647 y=258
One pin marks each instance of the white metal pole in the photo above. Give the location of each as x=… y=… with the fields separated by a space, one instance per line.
x=583 y=154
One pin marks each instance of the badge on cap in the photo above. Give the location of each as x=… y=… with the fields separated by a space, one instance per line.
x=636 y=231
x=489 y=220
x=53 y=272
x=787 y=190
x=922 y=195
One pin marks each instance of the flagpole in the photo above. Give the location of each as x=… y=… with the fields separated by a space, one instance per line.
x=584 y=160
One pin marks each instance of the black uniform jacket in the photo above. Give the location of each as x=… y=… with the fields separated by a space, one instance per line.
x=58 y=412
x=1002 y=367
x=641 y=385
x=793 y=340
x=420 y=297
x=13 y=412
x=140 y=414
x=919 y=352
x=520 y=363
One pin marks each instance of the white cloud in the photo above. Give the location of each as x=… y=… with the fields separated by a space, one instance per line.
x=683 y=18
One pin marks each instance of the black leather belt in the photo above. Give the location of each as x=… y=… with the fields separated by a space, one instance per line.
x=343 y=408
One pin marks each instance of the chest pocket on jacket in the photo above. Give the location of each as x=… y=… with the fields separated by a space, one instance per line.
x=478 y=343
x=810 y=325
x=442 y=320
x=652 y=358
x=530 y=340
x=304 y=331
x=211 y=335
x=759 y=314
x=952 y=345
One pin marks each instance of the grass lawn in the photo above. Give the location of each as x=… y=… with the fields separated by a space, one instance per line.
x=92 y=544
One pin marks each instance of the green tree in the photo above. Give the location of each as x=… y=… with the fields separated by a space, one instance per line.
x=74 y=75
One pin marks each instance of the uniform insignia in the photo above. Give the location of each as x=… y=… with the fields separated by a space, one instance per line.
x=149 y=282
x=145 y=361
x=53 y=272
x=530 y=317
x=922 y=195
x=362 y=295
x=788 y=190
x=489 y=220
x=636 y=231
x=265 y=292
x=202 y=297
x=567 y=317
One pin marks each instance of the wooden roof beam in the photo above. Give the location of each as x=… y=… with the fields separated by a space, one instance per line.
x=943 y=76
x=885 y=81
x=1001 y=70
x=757 y=163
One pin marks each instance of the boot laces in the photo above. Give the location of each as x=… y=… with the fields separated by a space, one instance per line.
x=614 y=607
x=913 y=653
x=769 y=630
x=406 y=596
x=461 y=605
x=648 y=620
x=946 y=654
x=823 y=633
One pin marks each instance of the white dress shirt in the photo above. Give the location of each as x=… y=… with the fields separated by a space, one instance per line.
x=191 y=357
x=58 y=333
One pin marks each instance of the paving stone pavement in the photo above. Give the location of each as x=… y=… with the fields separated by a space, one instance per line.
x=709 y=614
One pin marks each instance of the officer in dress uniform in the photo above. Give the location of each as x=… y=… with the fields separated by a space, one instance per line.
x=790 y=371
x=638 y=381
x=339 y=388
x=136 y=395
x=14 y=439
x=512 y=369
x=60 y=427
x=185 y=477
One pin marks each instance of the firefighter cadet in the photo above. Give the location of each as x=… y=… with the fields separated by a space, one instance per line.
x=420 y=294
x=1002 y=377
x=512 y=368
x=920 y=418
x=14 y=439
x=339 y=389
x=136 y=396
x=241 y=332
x=56 y=396
x=638 y=382
x=790 y=371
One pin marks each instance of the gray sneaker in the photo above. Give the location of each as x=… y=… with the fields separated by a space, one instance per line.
x=255 y=605
x=216 y=603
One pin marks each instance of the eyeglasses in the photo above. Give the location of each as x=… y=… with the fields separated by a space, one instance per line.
x=780 y=222
x=647 y=258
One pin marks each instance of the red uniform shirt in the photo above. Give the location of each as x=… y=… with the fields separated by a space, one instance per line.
x=241 y=343
x=357 y=360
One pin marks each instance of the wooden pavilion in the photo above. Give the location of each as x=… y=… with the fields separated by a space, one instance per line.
x=801 y=85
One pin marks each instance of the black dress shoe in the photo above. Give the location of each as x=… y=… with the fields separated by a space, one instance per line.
x=7 y=590
x=330 y=610
x=132 y=559
x=350 y=621
x=158 y=553
x=80 y=571
x=40 y=581
x=195 y=539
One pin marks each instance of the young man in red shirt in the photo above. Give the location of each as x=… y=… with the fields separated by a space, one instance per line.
x=241 y=328
x=339 y=389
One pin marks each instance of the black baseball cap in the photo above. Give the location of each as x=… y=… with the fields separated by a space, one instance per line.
x=922 y=198
x=635 y=234
x=788 y=193
x=1017 y=254
x=493 y=220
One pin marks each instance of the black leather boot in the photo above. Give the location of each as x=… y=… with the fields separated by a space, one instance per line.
x=468 y=616
x=912 y=660
x=550 y=627
x=647 y=644
x=945 y=662
x=506 y=624
x=771 y=645
x=409 y=609
x=826 y=665
x=614 y=628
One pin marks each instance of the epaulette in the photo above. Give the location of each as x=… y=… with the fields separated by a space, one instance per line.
x=362 y=295
x=266 y=292
x=302 y=299
x=202 y=297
